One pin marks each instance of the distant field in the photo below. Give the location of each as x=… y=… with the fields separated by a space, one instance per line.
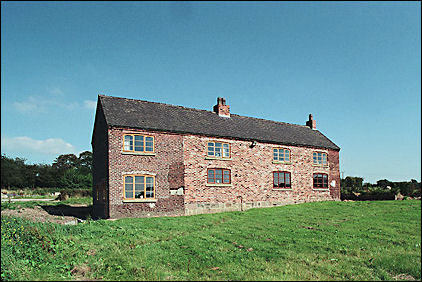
x=313 y=241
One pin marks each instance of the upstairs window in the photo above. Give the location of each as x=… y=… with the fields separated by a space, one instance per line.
x=138 y=143
x=139 y=187
x=218 y=150
x=282 y=179
x=320 y=180
x=218 y=176
x=281 y=155
x=320 y=158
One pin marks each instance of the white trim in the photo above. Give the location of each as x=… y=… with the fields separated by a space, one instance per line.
x=218 y=184
x=139 y=153
x=218 y=158
x=139 y=172
x=140 y=201
x=281 y=189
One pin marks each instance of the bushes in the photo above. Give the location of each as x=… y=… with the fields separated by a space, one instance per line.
x=75 y=180
x=352 y=189
x=77 y=193
x=368 y=197
x=67 y=171
x=372 y=194
x=80 y=192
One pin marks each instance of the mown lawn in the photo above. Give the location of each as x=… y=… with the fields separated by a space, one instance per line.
x=313 y=241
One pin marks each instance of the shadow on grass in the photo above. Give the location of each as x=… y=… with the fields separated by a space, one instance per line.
x=66 y=210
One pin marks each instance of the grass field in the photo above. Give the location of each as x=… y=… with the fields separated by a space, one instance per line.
x=313 y=241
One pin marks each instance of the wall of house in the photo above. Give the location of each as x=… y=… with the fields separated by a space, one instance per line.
x=252 y=176
x=166 y=165
x=180 y=167
x=100 y=165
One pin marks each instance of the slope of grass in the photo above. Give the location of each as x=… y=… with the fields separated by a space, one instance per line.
x=313 y=241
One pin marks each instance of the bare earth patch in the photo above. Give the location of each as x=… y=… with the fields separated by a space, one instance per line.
x=406 y=277
x=55 y=214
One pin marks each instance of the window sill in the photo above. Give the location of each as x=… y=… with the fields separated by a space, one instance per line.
x=279 y=162
x=139 y=153
x=217 y=158
x=320 y=189
x=140 y=201
x=318 y=165
x=281 y=189
x=218 y=185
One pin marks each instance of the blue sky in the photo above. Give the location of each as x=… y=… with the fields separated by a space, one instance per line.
x=355 y=66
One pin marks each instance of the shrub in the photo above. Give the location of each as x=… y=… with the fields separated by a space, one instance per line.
x=79 y=193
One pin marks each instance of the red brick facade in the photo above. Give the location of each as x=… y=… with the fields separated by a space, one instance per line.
x=180 y=165
x=252 y=176
x=166 y=164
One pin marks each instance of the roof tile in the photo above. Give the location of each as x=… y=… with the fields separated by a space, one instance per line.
x=164 y=117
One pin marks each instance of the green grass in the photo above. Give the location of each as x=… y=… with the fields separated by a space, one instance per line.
x=31 y=204
x=312 y=241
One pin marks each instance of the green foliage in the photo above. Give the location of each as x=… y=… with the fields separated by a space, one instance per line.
x=29 y=245
x=311 y=241
x=74 y=180
x=350 y=185
x=12 y=172
x=67 y=171
x=65 y=162
x=85 y=162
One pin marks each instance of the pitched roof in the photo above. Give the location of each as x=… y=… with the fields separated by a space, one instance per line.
x=164 y=117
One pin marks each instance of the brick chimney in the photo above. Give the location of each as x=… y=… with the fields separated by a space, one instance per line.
x=221 y=108
x=311 y=122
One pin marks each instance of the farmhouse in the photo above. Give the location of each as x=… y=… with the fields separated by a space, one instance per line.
x=157 y=159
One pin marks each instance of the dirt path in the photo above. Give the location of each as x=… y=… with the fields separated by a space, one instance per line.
x=26 y=200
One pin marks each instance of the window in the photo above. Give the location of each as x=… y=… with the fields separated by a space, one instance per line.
x=320 y=158
x=282 y=179
x=320 y=180
x=218 y=176
x=281 y=155
x=218 y=149
x=138 y=143
x=139 y=187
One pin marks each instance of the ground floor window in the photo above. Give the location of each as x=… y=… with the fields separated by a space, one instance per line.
x=281 y=179
x=218 y=175
x=139 y=187
x=320 y=180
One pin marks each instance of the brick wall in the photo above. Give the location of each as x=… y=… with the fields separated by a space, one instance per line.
x=180 y=167
x=252 y=178
x=166 y=165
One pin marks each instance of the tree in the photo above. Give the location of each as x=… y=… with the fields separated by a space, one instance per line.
x=74 y=180
x=12 y=172
x=46 y=176
x=64 y=162
x=352 y=184
x=29 y=173
x=384 y=183
x=84 y=164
